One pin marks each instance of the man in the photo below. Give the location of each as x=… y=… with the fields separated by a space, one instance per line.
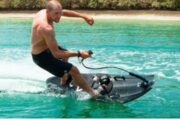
x=45 y=51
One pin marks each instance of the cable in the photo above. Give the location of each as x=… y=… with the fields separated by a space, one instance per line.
x=106 y=67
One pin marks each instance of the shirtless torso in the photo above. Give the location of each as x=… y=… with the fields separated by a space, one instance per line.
x=38 y=43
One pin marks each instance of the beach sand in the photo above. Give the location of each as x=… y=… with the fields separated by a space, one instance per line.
x=107 y=14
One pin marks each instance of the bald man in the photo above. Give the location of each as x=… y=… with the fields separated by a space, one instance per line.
x=45 y=50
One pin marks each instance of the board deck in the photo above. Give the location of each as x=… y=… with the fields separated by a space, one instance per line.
x=121 y=89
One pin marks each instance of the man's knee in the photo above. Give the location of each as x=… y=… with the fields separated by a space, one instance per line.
x=74 y=70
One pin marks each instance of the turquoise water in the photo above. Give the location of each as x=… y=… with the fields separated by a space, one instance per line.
x=144 y=47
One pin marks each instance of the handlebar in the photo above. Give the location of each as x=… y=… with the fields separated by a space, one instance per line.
x=90 y=52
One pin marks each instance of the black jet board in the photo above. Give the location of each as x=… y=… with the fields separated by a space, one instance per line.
x=118 y=88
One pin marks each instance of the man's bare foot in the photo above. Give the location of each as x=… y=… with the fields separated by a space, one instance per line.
x=103 y=90
x=95 y=94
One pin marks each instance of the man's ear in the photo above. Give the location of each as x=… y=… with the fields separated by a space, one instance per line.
x=48 y=12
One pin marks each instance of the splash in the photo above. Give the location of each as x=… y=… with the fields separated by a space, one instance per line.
x=21 y=75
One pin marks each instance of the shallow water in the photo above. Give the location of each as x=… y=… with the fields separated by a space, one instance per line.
x=144 y=47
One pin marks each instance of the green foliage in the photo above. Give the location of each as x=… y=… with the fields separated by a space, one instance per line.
x=4 y=4
x=94 y=4
x=66 y=3
x=177 y=4
x=23 y=4
x=164 y=4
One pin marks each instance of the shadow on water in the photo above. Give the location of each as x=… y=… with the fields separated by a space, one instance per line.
x=71 y=108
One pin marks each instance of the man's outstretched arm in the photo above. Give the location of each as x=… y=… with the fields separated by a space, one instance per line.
x=70 y=13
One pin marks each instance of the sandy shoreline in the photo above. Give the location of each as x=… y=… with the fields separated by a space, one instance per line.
x=128 y=14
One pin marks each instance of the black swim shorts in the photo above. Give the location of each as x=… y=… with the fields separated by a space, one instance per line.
x=51 y=64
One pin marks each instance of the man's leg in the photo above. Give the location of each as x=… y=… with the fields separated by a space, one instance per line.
x=65 y=76
x=79 y=80
x=63 y=79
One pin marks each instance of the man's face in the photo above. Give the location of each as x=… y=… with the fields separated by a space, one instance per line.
x=56 y=14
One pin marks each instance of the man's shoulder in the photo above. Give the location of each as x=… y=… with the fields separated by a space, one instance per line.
x=41 y=23
x=45 y=27
x=45 y=30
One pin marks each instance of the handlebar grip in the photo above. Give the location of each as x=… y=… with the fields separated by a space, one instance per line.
x=90 y=52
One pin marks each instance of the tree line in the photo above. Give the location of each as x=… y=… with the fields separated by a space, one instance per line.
x=93 y=4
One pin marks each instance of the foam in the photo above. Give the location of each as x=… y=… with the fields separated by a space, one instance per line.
x=17 y=85
x=81 y=95
x=24 y=68
x=21 y=75
x=177 y=75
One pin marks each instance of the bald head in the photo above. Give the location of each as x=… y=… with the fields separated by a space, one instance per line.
x=53 y=4
x=54 y=11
